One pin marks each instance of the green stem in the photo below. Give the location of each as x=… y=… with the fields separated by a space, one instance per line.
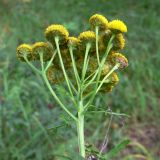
x=31 y=65
x=109 y=112
x=63 y=69
x=51 y=60
x=104 y=59
x=104 y=79
x=100 y=67
x=48 y=85
x=97 y=52
x=69 y=84
x=56 y=98
x=98 y=73
x=74 y=66
x=80 y=130
x=42 y=62
x=88 y=46
x=43 y=73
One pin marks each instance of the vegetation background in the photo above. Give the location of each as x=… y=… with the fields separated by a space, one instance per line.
x=32 y=127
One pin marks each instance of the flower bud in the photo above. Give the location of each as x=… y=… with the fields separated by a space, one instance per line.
x=56 y=30
x=73 y=42
x=42 y=48
x=24 y=50
x=118 y=41
x=118 y=58
x=87 y=37
x=113 y=78
x=98 y=20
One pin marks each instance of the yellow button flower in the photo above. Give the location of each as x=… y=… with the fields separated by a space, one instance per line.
x=73 y=41
x=118 y=42
x=117 y=26
x=98 y=20
x=56 y=30
x=86 y=38
x=42 y=48
x=24 y=50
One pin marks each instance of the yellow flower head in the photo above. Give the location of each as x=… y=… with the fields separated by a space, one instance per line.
x=115 y=58
x=24 y=50
x=105 y=37
x=118 y=41
x=73 y=41
x=86 y=38
x=42 y=48
x=56 y=30
x=113 y=78
x=55 y=75
x=110 y=83
x=98 y=20
x=117 y=26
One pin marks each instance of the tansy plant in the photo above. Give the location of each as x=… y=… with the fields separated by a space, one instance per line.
x=83 y=65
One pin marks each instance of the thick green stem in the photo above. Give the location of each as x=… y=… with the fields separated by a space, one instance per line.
x=80 y=130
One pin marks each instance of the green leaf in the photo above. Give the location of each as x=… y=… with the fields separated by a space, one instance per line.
x=117 y=149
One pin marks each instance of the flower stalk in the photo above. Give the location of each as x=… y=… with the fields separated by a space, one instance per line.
x=80 y=130
x=97 y=52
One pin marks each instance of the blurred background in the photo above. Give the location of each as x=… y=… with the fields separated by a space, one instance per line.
x=33 y=127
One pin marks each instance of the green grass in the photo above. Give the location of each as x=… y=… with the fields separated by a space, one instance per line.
x=24 y=100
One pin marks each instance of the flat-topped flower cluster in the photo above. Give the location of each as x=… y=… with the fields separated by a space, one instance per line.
x=86 y=65
x=98 y=48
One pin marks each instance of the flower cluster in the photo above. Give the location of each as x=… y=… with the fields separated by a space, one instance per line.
x=93 y=42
